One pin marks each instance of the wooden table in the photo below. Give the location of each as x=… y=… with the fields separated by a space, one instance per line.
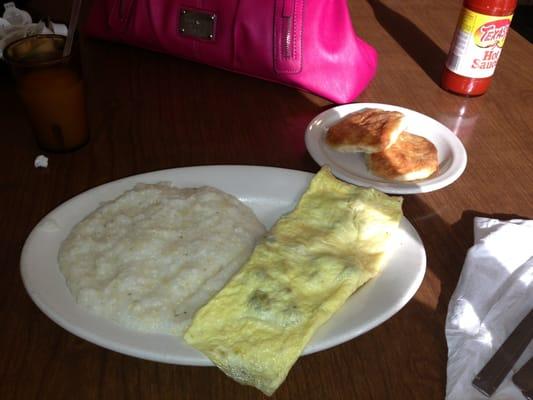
x=150 y=111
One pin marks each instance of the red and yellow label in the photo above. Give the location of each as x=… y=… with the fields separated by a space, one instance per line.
x=478 y=44
x=492 y=33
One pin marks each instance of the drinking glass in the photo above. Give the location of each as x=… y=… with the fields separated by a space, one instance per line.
x=51 y=87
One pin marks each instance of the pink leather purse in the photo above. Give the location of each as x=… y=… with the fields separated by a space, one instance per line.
x=308 y=44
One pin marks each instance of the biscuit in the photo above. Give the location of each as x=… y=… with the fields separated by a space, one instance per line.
x=410 y=158
x=370 y=130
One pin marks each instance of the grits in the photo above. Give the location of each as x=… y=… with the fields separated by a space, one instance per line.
x=150 y=258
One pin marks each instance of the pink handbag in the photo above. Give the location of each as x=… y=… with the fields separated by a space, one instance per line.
x=308 y=44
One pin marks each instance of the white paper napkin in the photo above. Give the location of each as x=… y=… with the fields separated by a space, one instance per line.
x=494 y=293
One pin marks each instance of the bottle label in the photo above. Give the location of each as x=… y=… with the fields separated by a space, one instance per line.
x=477 y=44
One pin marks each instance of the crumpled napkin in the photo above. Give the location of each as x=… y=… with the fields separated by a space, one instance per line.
x=494 y=293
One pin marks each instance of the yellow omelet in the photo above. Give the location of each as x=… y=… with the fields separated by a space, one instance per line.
x=301 y=273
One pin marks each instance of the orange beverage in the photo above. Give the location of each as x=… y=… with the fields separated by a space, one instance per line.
x=51 y=88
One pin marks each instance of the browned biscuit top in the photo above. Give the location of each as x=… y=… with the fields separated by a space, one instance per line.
x=369 y=130
x=410 y=157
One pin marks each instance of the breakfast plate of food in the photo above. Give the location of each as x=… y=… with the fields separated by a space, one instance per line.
x=103 y=264
x=390 y=148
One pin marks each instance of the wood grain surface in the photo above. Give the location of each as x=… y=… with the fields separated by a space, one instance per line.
x=150 y=111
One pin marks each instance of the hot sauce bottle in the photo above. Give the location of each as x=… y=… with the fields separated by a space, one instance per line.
x=477 y=46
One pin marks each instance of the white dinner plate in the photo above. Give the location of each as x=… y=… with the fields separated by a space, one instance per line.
x=351 y=167
x=270 y=192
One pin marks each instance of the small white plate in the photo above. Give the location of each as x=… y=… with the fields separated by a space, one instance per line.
x=270 y=192
x=351 y=167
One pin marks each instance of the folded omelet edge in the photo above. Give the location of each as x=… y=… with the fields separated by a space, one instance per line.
x=323 y=181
